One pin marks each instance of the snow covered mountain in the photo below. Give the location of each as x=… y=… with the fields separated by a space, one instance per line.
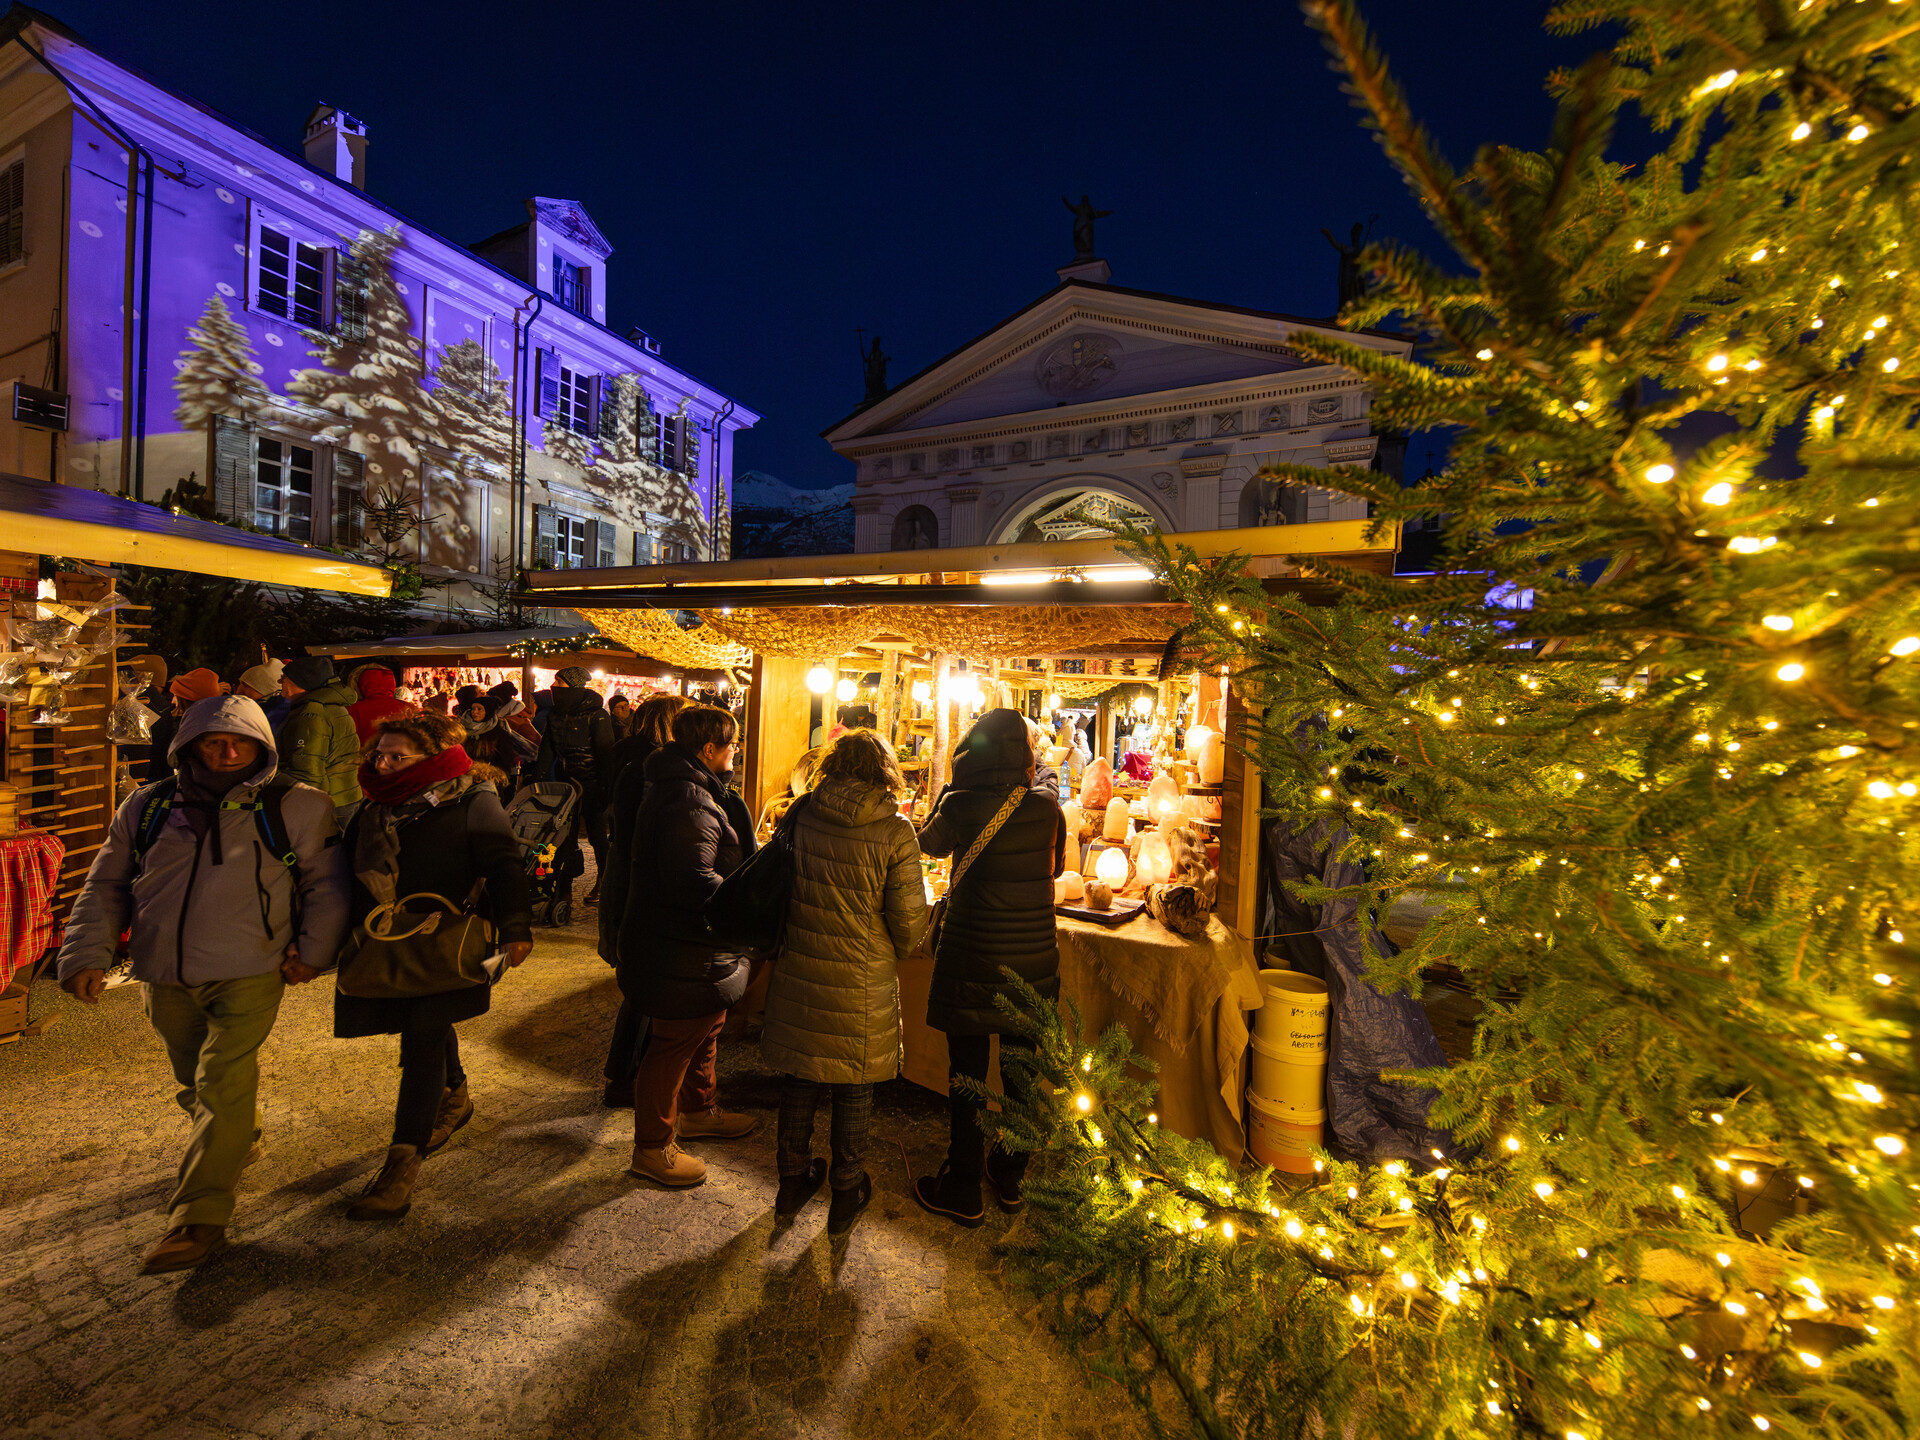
x=771 y=517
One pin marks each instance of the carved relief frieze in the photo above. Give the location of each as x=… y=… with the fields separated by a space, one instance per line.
x=1226 y=422
x=950 y=459
x=1056 y=446
x=1137 y=434
x=983 y=454
x=1275 y=417
x=1017 y=450
x=1323 y=408
x=1163 y=481
x=1093 y=440
x=1180 y=428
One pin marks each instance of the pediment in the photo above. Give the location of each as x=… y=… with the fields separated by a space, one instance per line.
x=1084 y=344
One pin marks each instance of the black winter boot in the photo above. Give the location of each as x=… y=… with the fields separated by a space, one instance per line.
x=953 y=1195
x=1007 y=1173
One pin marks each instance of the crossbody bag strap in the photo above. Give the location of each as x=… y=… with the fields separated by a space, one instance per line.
x=985 y=837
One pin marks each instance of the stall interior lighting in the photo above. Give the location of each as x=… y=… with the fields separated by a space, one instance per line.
x=1100 y=574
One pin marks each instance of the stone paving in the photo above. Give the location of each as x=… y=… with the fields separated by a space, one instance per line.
x=535 y=1289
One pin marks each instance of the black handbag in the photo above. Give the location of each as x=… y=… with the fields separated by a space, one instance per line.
x=749 y=910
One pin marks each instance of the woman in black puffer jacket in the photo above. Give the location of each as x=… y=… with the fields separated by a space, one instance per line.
x=1000 y=915
x=692 y=831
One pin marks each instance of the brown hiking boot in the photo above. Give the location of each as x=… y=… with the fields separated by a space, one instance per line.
x=715 y=1124
x=455 y=1110
x=182 y=1248
x=389 y=1195
x=670 y=1166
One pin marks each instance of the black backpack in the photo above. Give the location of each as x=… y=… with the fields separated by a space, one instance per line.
x=268 y=817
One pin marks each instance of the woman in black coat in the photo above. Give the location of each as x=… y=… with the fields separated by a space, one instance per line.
x=652 y=729
x=691 y=832
x=429 y=825
x=999 y=915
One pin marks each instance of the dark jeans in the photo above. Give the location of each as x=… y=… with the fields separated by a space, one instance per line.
x=630 y=1032
x=589 y=819
x=968 y=1055
x=429 y=1067
x=675 y=1074
x=852 y=1118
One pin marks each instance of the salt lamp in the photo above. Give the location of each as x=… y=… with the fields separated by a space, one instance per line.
x=1196 y=736
x=1115 y=827
x=1075 y=817
x=1163 y=798
x=1075 y=885
x=1112 y=866
x=1213 y=758
x=1156 y=859
x=1096 y=784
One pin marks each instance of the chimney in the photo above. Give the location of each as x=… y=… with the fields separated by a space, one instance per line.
x=337 y=143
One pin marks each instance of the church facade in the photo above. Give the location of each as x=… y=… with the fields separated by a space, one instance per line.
x=1097 y=401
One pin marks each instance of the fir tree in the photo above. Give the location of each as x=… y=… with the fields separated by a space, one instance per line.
x=373 y=385
x=475 y=418
x=1668 y=808
x=219 y=375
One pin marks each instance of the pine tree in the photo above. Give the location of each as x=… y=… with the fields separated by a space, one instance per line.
x=219 y=375
x=373 y=385
x=1668 y=807
x=475 y=417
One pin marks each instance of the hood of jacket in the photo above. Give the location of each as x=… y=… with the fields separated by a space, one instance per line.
x=851 y=803
x=334 y=692
x=569 y=701
x=994 y=752
x=373 y=682
x=232 y=715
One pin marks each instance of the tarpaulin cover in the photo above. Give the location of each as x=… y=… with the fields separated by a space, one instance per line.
x=1367 y=1032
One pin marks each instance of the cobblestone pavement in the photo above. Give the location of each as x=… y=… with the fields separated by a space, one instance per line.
x=535 y=1289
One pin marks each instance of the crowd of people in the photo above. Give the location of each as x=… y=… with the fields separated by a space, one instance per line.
x=370 y=837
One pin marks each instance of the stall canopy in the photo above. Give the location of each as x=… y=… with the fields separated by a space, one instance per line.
x=39 y=518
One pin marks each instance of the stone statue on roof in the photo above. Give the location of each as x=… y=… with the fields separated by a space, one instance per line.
x=1083 y=217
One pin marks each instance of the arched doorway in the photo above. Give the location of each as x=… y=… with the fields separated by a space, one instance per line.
x=916 y=528
x=1072 y=513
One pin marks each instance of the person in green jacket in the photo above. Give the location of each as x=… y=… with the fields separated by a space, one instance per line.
x=317 y=741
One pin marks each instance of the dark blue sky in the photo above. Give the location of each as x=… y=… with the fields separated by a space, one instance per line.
x=773 y=175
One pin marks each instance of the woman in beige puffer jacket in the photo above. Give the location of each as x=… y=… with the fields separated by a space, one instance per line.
x=833 y=1012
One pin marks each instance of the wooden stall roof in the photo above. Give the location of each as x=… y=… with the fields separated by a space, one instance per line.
x=496 y=647
x=45 y=519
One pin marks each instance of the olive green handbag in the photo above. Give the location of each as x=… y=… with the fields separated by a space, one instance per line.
x=421 y=944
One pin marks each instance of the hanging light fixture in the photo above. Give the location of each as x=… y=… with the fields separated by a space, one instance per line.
x=922 y=692
x=819 y=679
x=845 y=691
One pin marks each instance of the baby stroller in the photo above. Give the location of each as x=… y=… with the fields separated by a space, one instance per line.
x=542 y=817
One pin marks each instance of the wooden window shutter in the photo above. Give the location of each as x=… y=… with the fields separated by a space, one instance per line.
x=352 y=292
x=546 y=382
x=230 y=466
x=349 y=499
x=606 y=401
x=690 y=445
x=600 y=543
x=597 y=396
x=670 y=441
x=546 y=535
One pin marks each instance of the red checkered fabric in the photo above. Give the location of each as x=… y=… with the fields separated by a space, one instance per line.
x=29 y=873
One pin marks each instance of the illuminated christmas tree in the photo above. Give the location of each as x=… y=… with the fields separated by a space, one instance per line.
x=373 y=373
x=218 y=374
x=1667 y=804
x=475 y=416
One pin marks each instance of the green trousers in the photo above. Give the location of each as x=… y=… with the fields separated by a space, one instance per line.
x=213 y=1034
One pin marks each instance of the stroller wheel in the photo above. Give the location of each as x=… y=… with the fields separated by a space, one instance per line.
x=563 y=912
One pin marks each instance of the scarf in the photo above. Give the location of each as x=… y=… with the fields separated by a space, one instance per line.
x=200 y=796
x=437 y=780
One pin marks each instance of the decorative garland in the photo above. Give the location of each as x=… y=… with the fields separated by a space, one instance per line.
x=822 y=631
x=655 y=634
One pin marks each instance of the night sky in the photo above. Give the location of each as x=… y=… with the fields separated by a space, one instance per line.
x=772 y=176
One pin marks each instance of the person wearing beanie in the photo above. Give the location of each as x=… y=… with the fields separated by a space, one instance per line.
x=318 y=744
x=375 y=685
x=261 y=684
x=999 y=915
x=578 y=746
x=201 y=684
x=513 y=711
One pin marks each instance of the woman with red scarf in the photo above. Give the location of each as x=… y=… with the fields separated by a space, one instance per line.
x=428 y=826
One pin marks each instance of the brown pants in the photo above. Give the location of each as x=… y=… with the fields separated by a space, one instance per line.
x=675 y=1074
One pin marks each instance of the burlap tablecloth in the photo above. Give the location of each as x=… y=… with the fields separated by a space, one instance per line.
x=1184 y=1002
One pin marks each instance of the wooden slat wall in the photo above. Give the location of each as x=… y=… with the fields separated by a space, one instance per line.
x=65 y=773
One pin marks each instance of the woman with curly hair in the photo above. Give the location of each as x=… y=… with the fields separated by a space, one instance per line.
x=430 y=826
x=833 y=1008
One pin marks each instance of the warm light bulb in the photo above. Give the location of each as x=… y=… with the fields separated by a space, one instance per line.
x=1777 y=622
x=1053 y=703
x=1660 y=474
x=922 y=691
x=1801 y=131
x=1717 y=494
x=844 y=691
x=1791 y=671
x=1111 y=866
x=1716 y=362
x=1889 y=1144
x=819 y=679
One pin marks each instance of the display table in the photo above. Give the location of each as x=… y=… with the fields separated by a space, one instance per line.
x=1184 y=1002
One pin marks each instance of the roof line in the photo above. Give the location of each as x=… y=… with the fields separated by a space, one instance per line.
x=1096 y=288
x=19 y=16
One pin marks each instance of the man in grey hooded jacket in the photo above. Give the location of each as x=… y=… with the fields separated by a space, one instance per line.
x=220 y=926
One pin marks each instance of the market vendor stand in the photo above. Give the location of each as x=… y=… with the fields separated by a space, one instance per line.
x=929 y=638
x=68 y=776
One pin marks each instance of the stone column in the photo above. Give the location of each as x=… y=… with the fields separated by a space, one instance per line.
x=965 y=503
x=866 y=525
x=1200 y=477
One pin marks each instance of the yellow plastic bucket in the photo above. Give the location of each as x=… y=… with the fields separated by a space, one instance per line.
x=1280 y=1076
x=1293 y=1015
x=1281 y=1136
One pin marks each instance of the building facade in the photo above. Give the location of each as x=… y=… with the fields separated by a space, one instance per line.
x=304 y=360
x=1097 y=402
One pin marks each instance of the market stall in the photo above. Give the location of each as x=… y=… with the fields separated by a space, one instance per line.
x=1156 y=913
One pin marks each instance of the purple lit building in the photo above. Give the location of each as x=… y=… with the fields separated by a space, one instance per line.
x=307 y=361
